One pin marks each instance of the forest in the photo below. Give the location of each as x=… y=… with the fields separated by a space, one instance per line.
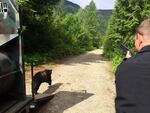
x=126 y=17
x=51 y=32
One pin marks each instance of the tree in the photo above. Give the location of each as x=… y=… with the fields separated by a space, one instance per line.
x=36 y=19
x=50 y=31
x=122 y=26
x=92 y=22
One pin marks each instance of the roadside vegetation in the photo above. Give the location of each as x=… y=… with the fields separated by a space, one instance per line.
x=122 y=25
x=50 y=32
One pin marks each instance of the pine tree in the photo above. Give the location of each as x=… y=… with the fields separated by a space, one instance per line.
x=122 y=26
x=92 y=22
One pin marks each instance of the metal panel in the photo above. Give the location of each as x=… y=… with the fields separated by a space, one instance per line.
x=9 y=20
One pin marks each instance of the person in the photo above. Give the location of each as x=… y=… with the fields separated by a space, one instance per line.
x=133 y=76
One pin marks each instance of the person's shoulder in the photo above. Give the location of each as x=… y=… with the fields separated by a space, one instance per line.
x=135 y=62
x=134 y=59
x=128 y=63
x=127 y=66
x=140 y=58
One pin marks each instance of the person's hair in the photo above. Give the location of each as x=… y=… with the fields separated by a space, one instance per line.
x=144 y=28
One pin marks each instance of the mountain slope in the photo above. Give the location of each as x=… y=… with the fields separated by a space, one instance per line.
x=105 y=13
x=71 y=7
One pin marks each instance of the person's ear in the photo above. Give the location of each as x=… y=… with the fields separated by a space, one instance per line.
x=140 y=40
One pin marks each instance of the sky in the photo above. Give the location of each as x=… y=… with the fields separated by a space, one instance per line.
x=100 y=4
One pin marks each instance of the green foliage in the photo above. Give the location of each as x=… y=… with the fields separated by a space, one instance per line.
x=116 y=61
x=92 y=23
x=49 y=32
x=105 y=13
x=122 y=26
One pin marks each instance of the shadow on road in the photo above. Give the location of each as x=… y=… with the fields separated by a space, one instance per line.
x=53 y=88
x=85 y=59
x=42 y=104
x=62 y=101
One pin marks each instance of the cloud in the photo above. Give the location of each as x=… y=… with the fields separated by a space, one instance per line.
x=100 y=4
x=82 y=3
x=105 y=4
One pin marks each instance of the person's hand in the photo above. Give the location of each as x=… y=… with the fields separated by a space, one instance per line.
x=128 y=55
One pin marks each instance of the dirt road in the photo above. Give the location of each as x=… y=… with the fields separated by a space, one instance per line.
x=82 y=84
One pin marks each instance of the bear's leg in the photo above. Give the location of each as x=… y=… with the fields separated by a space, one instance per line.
x=36 y=87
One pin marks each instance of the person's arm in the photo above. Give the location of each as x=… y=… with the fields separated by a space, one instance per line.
x=125 y=86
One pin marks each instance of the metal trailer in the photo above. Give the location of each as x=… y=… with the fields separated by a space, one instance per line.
x=13 y=98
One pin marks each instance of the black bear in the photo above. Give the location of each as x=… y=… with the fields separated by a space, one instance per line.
x=40 y=77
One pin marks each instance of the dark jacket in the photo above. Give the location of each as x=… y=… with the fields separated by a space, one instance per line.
x=133 y=84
